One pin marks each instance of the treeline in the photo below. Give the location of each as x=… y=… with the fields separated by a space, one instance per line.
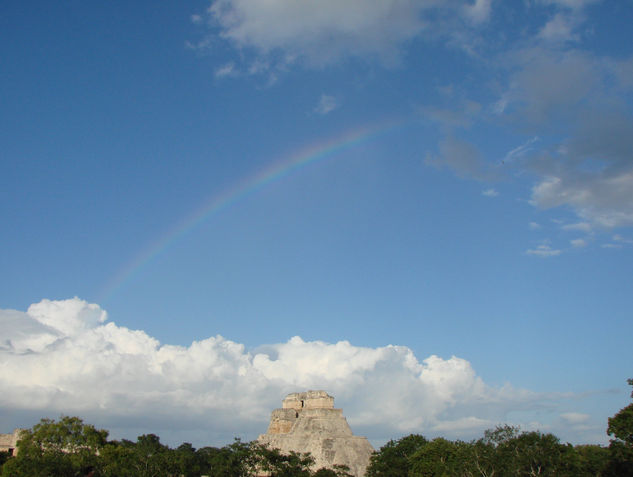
x=504 y=451
x=69 y=448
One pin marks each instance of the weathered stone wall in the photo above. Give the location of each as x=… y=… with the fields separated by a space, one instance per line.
x=308 y=400
x=281 y=421
x=308 y=422
x=9 y=442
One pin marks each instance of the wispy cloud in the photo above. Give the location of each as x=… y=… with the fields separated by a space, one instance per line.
x=226 y=71
x=560 y=28
x=326 y=104
x=578 y=227
x=620 y=239
x=543 y=251
x=489 y=193
x=520 y=151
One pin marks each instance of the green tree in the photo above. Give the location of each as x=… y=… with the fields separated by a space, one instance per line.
x=233 y=460
x=593 y=460
x=279 y=464
x=67 y=447
x=188 y=462
x=153 y=459
x=393 y=459
x=620 y=426
x=494 y=454
x=542 y=454
x=336 y=471
x=442 y=458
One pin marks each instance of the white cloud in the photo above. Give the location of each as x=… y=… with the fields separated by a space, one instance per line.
x=543 y=251
x=571 y=4
x=578 y=243
x=578 y=226
x=464 y=423
x=521 y=150
x=534 y=226
x=61 y=357
x=326 y=105
x=559 y=28
x=601 y=199
x=226 y=70
x=549 y=85
x=330 y=30
x=619 y=238
x=587 y=165
x=489 y=193
x=575 y=418
x=320 y=31
x=479 y=11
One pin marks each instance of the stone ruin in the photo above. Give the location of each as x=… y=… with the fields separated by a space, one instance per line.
x=9 y=442
x=308 y=422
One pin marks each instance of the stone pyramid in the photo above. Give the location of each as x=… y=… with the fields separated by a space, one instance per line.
x=308 y=422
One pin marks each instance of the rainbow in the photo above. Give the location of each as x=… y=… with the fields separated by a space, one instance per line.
x=241 y=190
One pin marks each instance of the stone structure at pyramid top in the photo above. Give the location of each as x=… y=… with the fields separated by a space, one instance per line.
x=308 y=400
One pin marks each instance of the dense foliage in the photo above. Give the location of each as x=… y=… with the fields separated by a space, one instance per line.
x=68 y=448
x=501 y=452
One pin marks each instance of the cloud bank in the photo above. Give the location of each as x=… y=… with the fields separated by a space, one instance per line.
x=65 y=357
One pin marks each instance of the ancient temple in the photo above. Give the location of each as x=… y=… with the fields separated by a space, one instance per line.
x=308 y=422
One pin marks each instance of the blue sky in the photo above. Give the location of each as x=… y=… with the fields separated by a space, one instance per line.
x=453 y=179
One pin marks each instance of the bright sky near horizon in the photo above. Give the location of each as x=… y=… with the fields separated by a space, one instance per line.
x=423 y=207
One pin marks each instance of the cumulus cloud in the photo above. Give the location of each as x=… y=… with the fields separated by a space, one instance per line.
x=319 y=31
x=603 y=200
x=327 y=31
x=64 y=357
x=571 y=96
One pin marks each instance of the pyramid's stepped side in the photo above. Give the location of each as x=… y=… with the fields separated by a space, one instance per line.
x=308 y=422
